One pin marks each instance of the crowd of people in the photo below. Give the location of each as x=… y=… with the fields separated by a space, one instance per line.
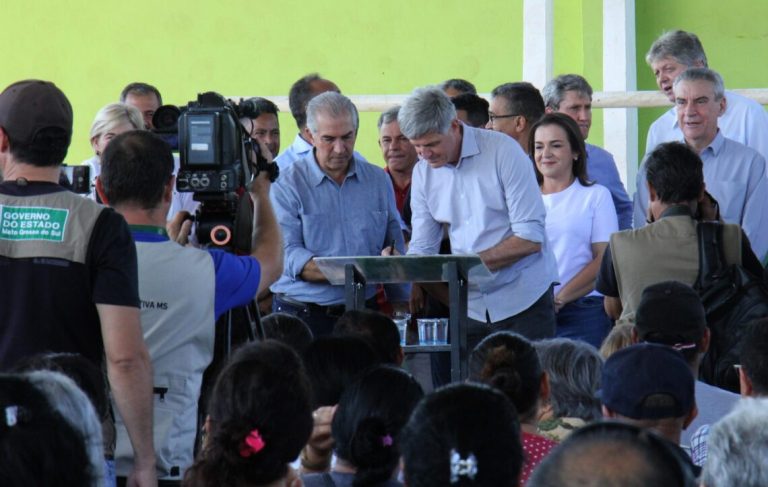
x=585 y=339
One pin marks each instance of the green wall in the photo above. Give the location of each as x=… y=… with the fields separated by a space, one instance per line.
x=91 y=50
x=734 y=35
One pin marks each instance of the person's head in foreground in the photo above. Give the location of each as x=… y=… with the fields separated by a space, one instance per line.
x=39 y=447
x=259 y=419
x=613 y=454
x=462 y=435
x=737 y=448
x=509 y=362
x=366 y=427
x=574 y=369
x=650 y=386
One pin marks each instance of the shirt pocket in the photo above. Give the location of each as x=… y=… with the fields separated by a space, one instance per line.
x=374 y=231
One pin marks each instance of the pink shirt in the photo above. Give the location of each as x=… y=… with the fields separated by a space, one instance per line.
x=535 y=448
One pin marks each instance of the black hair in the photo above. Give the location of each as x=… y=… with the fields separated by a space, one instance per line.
x=754 y=355
x=376 y=328
x=575 y=140
x=476 y=108
x=509 y=362
x=37 y=445
x=299 y=96
x=589 y=457
x=256 y=106
x=289 y=329
x=472 y=421
x=366 y=426
x=82 y=371
x=48 y=148
x=676 y=172
x=140 y=89
x=460 y=85
x=333 y=362
x=135 y=168
x=522 y=99
x=263 y=390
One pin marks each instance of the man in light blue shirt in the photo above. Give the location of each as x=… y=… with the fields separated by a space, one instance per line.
x=331 y=203
x=744 y=120
x=482 y=186
x=571 y=94
x=734 y=174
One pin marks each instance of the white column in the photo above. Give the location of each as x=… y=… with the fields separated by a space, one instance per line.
x=620 y=74
x=538 y=31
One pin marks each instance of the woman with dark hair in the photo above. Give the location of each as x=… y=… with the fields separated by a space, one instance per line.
x=508 y=362
x=38 y=446
x=463 y=435
x=332 y=364
x=366 y=429
x=259 y=418
x=580 y=219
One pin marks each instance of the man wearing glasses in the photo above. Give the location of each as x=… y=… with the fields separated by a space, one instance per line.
x=515 y=107
x=571 y=94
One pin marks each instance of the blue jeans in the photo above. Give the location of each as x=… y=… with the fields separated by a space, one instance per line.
x=585 y=320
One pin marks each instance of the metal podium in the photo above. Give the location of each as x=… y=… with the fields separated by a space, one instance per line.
x=356 y=272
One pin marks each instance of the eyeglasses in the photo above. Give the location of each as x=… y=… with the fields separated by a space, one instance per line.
x=493 y=117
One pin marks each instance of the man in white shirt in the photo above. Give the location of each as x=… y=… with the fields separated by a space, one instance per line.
x=734 y=174
x=481 y=184
x=743 y=119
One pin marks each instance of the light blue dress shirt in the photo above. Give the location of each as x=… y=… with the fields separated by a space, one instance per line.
x=601 y=169
x=320 y=218
x=298 y=149
x=744 y=121
x=735 y=175
x=491 y=194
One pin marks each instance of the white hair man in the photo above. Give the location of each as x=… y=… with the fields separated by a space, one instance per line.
x=482 y=185
x=331 y=203
x=743 y=119
x=734 y=174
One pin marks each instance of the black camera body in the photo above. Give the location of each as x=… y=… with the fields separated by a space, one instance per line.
x=218 y=159
x=76 y=178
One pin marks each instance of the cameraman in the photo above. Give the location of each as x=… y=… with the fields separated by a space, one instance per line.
x=668 y=248
x=258 y=117
x=183 y=290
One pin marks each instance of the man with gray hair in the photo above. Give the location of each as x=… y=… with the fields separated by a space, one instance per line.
x=482 y=185
x=399 y=156
x=743 y=119
x=734 y=174
x=331 y=203
x=571 y=94
x=738 y=447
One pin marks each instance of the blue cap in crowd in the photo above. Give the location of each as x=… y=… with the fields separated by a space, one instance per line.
x=648 y=381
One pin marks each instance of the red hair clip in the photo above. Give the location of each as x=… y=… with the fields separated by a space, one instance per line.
x=253 y=443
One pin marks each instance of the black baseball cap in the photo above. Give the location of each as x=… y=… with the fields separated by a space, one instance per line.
x=671 y=313
x=29 y=106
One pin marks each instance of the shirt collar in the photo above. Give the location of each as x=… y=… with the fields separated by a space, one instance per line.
x=716 y=145
x=301 y=146
x=677 y=210
x=148 y=233
x=469 y=145
x=316 y=175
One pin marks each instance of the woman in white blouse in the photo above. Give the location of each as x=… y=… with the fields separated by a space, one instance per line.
x=580 y=219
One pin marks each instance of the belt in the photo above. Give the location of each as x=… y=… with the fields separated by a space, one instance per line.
x=334 y=310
